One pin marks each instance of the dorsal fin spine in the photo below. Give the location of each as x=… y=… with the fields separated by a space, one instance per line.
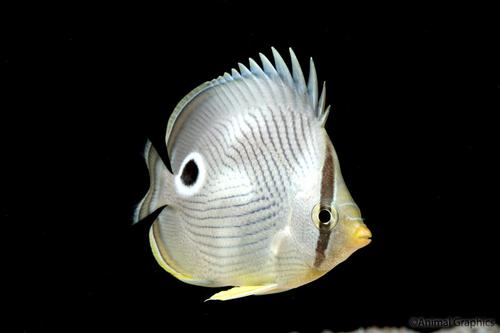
x=244 y=70
x=282 y=68
x=268 y=66
x=312 y=85
x=298 y=76
x=321 y=103
x=255 y=68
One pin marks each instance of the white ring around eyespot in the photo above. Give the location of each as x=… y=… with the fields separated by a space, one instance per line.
x=200 y=180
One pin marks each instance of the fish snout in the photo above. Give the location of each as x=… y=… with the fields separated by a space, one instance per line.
x=360 y=236
x=357 y=233
x=363 y=235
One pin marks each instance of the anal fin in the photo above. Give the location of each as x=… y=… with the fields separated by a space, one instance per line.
x=242 y=291
x=161 y=259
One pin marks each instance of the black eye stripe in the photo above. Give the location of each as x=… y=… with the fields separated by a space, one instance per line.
x=190 y=173
x=326 y=198
x=327 y=178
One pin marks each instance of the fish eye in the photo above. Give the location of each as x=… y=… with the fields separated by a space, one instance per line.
x=189 y=173
x=324 y=216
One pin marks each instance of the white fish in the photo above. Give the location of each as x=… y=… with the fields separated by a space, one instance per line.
x=255 y=199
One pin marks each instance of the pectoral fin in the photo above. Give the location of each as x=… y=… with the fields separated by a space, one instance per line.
x=242 y=291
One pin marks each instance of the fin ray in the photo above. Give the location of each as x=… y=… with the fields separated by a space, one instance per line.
x=322 y=101
x=312 y=84
x=268 y=66
x=282 y=68
x=298 y=76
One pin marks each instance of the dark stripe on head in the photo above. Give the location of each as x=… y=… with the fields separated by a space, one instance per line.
x=327 y=187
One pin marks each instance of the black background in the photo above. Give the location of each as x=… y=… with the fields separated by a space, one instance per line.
x=415 y=92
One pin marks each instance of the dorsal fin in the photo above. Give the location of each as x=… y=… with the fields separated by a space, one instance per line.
x=268 y=85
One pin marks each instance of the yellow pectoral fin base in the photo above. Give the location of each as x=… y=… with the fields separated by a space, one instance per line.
x=242 y=291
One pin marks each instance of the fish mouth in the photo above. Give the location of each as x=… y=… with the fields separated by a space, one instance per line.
x=362 y=236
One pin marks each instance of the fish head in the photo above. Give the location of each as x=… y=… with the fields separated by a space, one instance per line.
x=326 y=222
x=341 y=231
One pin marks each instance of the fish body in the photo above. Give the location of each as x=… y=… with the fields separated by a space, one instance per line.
x=256 y=198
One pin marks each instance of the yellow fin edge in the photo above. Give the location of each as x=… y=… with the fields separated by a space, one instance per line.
x=163 y=263
x=242 y=291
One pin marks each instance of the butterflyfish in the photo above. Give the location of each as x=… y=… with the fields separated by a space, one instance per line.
x=255 y=199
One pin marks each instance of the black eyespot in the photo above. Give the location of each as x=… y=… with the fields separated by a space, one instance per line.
x=324 y=216
x=190 y=173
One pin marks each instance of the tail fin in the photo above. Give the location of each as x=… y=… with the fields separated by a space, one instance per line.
x=160 y=183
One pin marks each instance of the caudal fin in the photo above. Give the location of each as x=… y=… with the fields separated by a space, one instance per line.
x=160 y=181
